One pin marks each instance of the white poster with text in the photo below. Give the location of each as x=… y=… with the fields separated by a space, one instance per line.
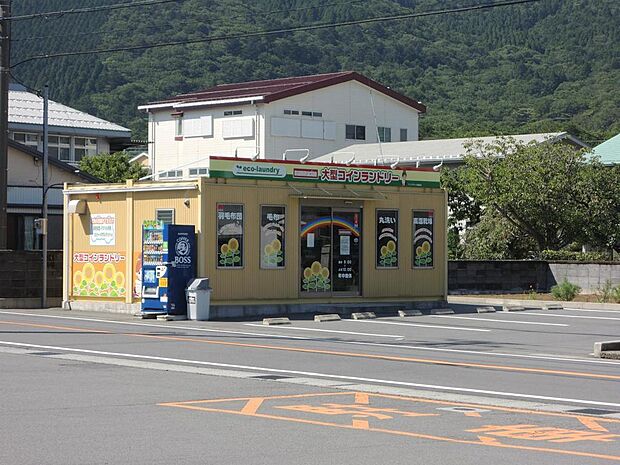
x=102 y=229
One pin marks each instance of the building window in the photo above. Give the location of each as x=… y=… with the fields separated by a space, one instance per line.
x=233 y=112
x=354 y=132
x=165 y=215
x=59 y=147
x=178 y=126
x=31 y=140
x=294 y=112
x=306 y=113
x=229 y=236
x=171 y=174
x=403 y=135
x=193 y=172
x=84 y=146
x=385 y=134
x=317 y=114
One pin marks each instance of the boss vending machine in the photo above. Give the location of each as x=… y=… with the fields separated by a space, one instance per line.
x=168 y=264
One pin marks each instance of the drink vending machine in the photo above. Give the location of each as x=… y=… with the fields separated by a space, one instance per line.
x=168 y=264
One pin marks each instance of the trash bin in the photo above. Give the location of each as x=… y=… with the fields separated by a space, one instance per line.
x=198 y=296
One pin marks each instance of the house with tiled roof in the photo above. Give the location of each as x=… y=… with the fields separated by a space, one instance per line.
x=295 y=118
x=73 y=134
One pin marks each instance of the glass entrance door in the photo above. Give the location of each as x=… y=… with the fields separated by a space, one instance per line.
x=330 y=251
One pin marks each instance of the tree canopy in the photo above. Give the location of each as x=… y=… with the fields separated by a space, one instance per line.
x=114 y=167
x=535 y=197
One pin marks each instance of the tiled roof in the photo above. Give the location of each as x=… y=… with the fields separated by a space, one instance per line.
x=609 y=151
x=275 y=89
x=428 y=151
x=27 y=108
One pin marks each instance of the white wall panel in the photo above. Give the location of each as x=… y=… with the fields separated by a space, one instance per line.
x=198 y=126
x=329 y=130
x=237 y=127
x=285 y=127
x=311 y=129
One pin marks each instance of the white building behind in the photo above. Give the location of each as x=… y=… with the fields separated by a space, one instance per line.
x=301 y=116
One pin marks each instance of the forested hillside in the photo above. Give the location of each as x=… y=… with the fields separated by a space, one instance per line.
x=550 y=65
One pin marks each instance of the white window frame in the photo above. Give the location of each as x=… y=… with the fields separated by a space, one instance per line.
x=197 y=172
x=384 y=133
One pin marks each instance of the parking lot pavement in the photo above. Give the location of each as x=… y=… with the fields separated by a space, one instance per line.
x=83 y=388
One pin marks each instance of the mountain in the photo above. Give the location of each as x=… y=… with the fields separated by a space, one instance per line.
x=544 y=66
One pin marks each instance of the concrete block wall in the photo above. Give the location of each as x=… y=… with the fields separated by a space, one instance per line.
x=21 y=274
x=493 y=276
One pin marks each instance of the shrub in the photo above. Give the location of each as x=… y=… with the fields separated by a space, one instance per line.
x=567 y=255
x=615 y=294
x=565 y=290
x=604 y=293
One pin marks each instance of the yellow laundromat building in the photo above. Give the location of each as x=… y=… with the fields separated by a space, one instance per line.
x=273 y=237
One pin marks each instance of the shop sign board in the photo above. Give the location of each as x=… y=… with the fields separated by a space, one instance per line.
x=423 y=238
x=386 y=244
x=99 y=275
x=322 y=173
x=102 y=229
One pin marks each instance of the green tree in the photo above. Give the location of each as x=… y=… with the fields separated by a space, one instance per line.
x=543 y=190
x=114 y=167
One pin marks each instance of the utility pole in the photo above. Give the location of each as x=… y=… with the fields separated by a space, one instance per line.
x=44 y=199
x=5 y=64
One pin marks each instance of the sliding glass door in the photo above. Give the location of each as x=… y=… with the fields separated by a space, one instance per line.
x=330 y=251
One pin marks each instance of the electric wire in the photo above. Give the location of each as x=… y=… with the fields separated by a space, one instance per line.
x=116 y=6
x=274 y=32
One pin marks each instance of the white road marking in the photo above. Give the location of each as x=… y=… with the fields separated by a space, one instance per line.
x=297 y=328
x=574 y=316
x=152 y=325
x=498 y=321
x=422 y=348
x=314 y=374
x=419 y=325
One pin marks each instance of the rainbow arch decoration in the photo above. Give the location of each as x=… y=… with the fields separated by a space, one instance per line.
x=328 y=221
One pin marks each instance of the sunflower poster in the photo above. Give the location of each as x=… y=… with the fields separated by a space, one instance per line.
x=387 y=239
x=99 y=275
x=272 y=238
x=229 y=236
x=423 y=238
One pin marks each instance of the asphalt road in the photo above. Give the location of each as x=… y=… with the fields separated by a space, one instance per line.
x=81 y=388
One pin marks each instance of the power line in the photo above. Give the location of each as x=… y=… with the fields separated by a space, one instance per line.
x=90 y=9
x=266 y=13
x=274 y=32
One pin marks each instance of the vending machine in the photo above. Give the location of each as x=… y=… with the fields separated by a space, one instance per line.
x=168 y=264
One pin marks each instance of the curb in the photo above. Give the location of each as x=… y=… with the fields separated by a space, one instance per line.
x=363 y=315
x=442 y=311
x=486 y=309
x=276 y=321
x=499 y=302
x=328 y=317
x=404 y=313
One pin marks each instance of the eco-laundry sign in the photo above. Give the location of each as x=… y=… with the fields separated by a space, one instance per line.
x=423 y=238
x=387 y=239
x=102 y=229
x=323 y=173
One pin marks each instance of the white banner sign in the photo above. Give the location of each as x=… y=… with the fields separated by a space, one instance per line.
x=102 y=229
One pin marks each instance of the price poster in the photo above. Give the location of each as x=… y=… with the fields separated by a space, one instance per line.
x=423 y=238
x=387 y=239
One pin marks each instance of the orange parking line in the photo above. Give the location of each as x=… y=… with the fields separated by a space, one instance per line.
x=592 y=424
x=252 y=406
x=361 y=398
x=339 y=353
x=69 y=328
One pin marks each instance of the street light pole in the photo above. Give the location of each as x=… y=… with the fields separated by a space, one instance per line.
x=44 y=169
x=5 y=63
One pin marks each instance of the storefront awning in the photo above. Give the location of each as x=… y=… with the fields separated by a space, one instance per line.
x=346 y=193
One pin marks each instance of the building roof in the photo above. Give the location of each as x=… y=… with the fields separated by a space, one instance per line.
x=26 y=108
x=275 y=89
x=53 y=161
x=608 y=151
x=432 y=151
